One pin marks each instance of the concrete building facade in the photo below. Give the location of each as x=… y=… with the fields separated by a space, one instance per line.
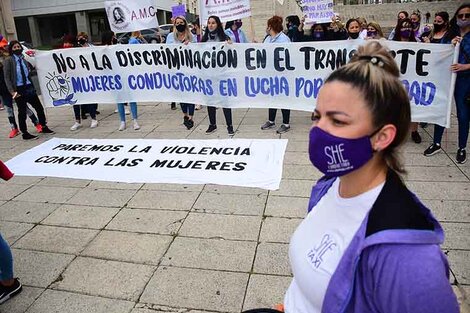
x=45 y=22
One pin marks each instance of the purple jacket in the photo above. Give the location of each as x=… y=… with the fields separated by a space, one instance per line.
x=393 y=263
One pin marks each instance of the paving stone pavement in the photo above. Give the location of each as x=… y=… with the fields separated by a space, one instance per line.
x=101 y=247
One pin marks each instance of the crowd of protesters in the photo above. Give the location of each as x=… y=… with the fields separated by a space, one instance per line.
x=410 y=26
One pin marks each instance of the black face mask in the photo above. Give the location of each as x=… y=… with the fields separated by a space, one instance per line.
x=114 y=41
x=18 y=52
x=354 y=35
x=438 y=27
x=81 y=41
x=180 y=28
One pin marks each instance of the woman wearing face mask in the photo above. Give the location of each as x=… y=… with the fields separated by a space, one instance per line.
x=374 y=31
x=81 y=110
x=459 y=31
x=367 y=244
x=215 y=33
x=404 y=32
x=294 y=28
x=401 y=16
x=354 y=28
x=233 y=30
x=275 y=35
x=415 y=18
x=318 y=32
x=439 y=34
x=182 y=35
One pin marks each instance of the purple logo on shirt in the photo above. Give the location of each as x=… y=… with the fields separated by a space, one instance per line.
x=315 y=255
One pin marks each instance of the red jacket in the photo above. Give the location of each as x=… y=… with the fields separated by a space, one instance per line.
x=5 y=173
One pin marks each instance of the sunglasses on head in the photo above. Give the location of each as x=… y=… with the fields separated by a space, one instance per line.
x=461 y=16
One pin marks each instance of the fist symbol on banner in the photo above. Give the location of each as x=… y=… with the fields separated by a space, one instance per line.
x=59 y=90
x=58 y=87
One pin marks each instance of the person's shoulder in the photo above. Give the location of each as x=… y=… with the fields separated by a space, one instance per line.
x=284 y=38
x=170 y=38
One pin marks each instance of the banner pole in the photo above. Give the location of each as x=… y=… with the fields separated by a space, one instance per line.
x=252 y=29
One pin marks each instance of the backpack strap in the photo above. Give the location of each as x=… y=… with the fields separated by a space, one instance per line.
x=319 y=190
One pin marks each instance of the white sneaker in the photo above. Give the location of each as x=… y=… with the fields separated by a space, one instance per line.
x=136 y=125
x=122 y=126
x=94 y=124
x=127 y=111
x=75 y=126
x=116 y=111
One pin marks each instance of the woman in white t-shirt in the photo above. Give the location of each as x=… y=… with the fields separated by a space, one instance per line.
x=367 y=245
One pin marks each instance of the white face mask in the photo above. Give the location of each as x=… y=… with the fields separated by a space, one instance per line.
x=463 y=24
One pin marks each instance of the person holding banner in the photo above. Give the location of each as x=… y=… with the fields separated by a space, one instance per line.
x=404 y=32
x=401 y=16
x=82 y=41
x=374 y=31
x=275 y=35
x=233 y=30
x=367 y=244
x=294 y=31
x=182 y=34
x=17 y=74
x=439 y=34
x=133 y=105
x=353 y=26
x=215 y=33
x=318 y=32
x=460 y=28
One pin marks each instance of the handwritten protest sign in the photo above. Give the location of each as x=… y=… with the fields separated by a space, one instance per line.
x=226 y=10
x=235 y=76
x=317 y=11
x=128 y=16
x=237 y=162
x=178 y=10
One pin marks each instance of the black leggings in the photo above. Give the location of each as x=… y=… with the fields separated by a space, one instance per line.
x=285 y=115
x=212 y=118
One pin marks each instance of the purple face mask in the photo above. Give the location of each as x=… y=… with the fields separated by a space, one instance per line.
x=336 y=156
x=405 y=33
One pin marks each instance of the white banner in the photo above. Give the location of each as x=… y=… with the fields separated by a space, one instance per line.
x=236 y=162
x=225 y=10
x=129 y=16
x=235 y=75
x=317 y=11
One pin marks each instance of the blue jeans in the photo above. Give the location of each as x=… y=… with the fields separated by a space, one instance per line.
x=461 y=93
x=122 y=113
x=188 y=108
x=6 y=260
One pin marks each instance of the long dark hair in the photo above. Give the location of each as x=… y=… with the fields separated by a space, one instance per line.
x=397 y=36
x=107 y=37
x=11 y=44
x=454 y=29
x=219 y=30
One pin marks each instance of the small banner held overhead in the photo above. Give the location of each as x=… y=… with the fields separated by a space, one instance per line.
x=178 y=10
x=235 y=162
x=317 y=11
x=225 y=10
x=129 y=16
